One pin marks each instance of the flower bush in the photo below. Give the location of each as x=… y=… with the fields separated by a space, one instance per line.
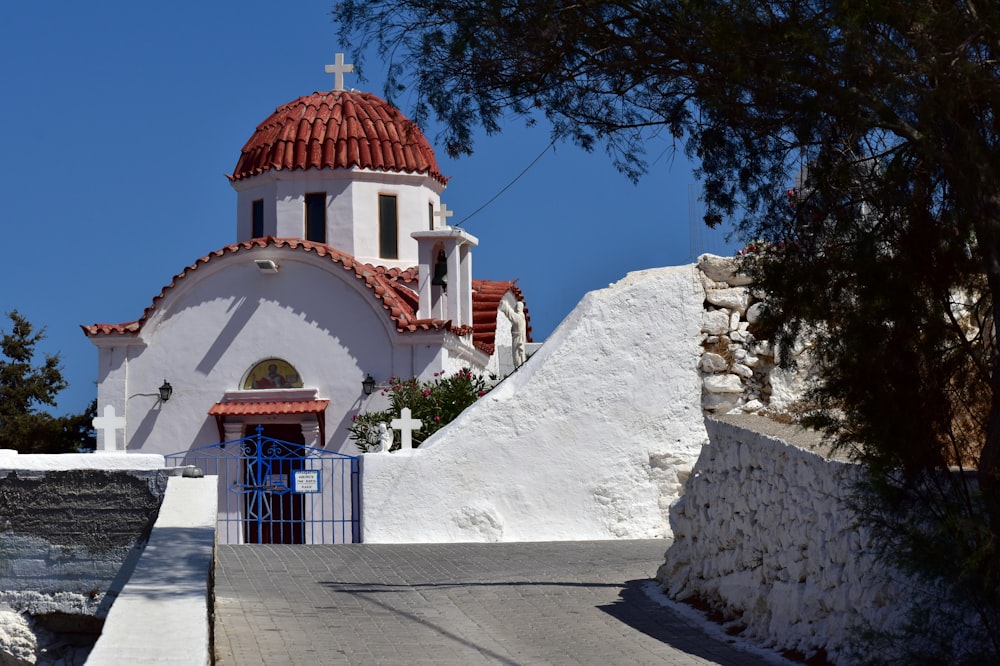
x=436 y=403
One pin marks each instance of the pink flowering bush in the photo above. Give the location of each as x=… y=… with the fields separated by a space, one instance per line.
x=436 y=403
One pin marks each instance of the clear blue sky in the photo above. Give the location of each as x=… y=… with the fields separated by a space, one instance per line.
x=122 y=118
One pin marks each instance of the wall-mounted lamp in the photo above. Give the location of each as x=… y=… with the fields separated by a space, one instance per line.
x=166 y=390
x=266 y=265
x=368 y=385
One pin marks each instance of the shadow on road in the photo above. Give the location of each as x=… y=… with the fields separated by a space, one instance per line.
x=643 y=614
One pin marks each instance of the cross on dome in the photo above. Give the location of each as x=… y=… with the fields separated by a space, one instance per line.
x=443 y=214
x=338 y=69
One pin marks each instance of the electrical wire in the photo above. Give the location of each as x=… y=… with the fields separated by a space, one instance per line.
x=507 y=186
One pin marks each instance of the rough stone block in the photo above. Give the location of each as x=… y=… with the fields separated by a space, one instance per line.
x=722 y=269
x=712 y=363
x=715 y=322
x=733 y=298
x=727 y=383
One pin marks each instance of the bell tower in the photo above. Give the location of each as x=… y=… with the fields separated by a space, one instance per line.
x=445 y=270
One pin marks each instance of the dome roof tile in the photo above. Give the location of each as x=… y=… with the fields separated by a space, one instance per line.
x=337 y=130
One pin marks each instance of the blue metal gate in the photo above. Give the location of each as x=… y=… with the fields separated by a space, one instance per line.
x=274 y=491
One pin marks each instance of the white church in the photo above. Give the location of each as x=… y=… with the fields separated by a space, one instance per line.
x=344 y=269
x=344 y=274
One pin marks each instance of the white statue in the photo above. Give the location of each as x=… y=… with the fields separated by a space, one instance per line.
x=384 y=438
x=518 y=331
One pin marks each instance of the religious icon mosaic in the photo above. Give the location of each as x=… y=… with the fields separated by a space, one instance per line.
x=272 y=373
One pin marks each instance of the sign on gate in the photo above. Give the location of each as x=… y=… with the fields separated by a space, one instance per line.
x=306 y=481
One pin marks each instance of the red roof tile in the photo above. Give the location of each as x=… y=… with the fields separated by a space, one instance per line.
x=337 y=130
x=486 y=297
x=221 y=410
x=250 y=408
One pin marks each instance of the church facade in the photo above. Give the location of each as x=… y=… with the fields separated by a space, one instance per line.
x=343 y=269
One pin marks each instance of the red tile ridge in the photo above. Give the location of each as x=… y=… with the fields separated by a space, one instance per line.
x=387 y=285
x=108 y=329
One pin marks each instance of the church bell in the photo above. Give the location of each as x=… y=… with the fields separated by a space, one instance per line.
x=440 y=277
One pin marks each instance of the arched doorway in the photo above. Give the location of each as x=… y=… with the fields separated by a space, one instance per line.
x=277 y=483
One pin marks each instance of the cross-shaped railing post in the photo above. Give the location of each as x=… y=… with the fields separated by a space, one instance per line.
x=406 y=425
x=109 y=424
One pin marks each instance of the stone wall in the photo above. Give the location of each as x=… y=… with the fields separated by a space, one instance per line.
x=738 y=366
x=762 y=535
x=64 y=535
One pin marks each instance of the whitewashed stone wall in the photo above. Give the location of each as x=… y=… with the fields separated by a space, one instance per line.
x=762 y=535
x=590 y=439
x=738 y=368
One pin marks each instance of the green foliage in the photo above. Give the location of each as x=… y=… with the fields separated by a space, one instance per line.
x=937 y=535
x=24 y=387
x=857 y=142
x=436 y=403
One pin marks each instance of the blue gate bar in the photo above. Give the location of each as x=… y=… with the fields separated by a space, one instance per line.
x=258 y=500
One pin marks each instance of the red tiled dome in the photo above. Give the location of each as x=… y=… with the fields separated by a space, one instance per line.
x=337 y=130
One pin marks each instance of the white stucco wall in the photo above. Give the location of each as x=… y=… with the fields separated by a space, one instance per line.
x=590 y=439
x=352 y=211
x=221 y=319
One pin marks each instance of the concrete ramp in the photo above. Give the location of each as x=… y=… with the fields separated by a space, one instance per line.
x=590 y=439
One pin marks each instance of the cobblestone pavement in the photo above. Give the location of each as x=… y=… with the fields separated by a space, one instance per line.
x=508 y=603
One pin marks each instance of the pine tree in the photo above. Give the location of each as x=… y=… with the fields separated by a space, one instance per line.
x=26 y=386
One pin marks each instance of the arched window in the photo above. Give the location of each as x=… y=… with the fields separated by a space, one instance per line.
x=272 y=373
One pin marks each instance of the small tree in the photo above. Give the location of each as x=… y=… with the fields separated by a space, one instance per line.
x=436 y=403
x=25 y=386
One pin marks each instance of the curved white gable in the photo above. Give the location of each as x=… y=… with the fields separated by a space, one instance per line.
x=225 y=315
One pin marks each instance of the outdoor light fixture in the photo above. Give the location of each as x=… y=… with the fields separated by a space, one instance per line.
x=368 y=385
x=266 y=265
x=166 y=390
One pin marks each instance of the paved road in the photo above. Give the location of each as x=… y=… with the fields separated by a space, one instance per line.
x=514 y=603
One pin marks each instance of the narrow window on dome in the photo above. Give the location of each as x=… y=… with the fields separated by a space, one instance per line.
x=388 y=244
x=316 y=216
x=430 y=215
x=258 y=219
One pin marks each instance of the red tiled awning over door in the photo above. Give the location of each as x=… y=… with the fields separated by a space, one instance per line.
x=221 y=410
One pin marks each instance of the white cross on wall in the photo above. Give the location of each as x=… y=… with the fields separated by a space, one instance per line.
x=338 y=69
x=406 y=425
x=110 y=424
x=443 y=214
